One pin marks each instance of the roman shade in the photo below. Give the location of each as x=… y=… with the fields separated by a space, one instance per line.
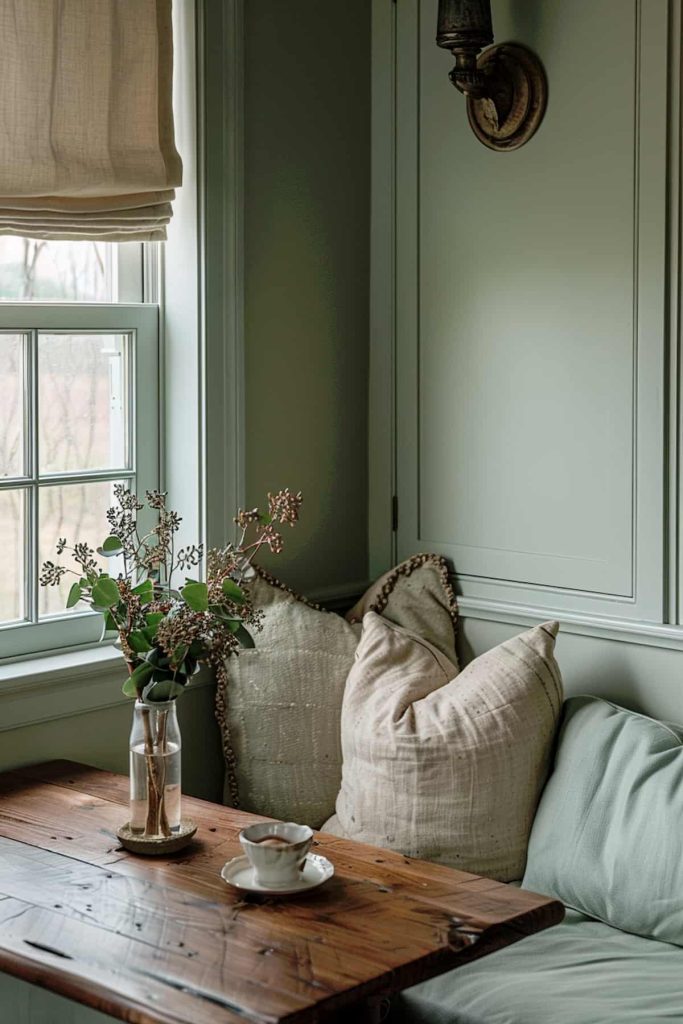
x=87 y=147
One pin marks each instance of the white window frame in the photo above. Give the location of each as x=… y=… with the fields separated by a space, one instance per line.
x=140 y=322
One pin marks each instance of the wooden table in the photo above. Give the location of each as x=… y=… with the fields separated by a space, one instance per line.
x=165 y=941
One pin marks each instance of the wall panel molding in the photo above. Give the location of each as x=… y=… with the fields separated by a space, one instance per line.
x=639 y=581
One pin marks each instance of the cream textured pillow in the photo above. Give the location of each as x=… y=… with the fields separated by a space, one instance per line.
x=281 y=712
x=418 y=596
x=444 y=766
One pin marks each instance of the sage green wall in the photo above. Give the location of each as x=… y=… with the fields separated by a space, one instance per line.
x=306 y=173
x=100 y=738
x=534 y=313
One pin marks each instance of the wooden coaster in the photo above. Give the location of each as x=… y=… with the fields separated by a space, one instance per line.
x=137 y=843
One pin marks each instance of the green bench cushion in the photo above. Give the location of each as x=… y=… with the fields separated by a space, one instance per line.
x=580 y=972
x=607 y=836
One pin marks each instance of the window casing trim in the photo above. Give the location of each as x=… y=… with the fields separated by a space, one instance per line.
x=140 y=321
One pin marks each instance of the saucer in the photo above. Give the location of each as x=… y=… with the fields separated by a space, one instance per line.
x=157 y=846
x=239 y=873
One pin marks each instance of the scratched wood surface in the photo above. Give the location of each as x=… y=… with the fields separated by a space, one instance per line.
x=166 y=941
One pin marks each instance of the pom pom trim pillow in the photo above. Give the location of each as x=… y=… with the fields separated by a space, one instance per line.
x=443 y=765
x=415 y=595
x=280 y=714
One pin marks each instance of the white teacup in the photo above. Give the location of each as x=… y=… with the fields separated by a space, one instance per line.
x=277 y=851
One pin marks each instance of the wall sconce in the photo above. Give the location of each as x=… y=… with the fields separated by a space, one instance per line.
x=506 y=88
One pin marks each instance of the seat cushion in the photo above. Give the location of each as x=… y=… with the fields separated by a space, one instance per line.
x=441 y=765
x=580 y=972
x=606 y=839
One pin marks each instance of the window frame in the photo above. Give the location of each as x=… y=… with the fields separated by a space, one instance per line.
x=140 y=321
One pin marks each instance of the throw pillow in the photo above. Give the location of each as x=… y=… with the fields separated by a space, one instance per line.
x=280 y=714
x=607 y=835
x=444 y=766
x=417 y=595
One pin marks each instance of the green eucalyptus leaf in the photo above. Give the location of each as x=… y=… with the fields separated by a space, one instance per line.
x=129 y=687
x=105 y=593
x=74 y=595
x=244 y=636
x=154 y=619
x=163 y=690
x=138 y=642
x=161 y=674
x=138 y=679
x=157 y=658
x=145 y=591
x=225 y=615
x=111 y=547
x=196 y=596
x=108 y=625
x=180 y=653
x=233 y=592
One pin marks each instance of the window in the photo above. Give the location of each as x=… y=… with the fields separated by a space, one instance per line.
x=78 y=414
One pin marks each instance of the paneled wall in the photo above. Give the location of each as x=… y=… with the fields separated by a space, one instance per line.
x=307 y=249
x=526 y=339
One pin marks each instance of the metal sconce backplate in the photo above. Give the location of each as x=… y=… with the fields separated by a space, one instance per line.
x=509 y=118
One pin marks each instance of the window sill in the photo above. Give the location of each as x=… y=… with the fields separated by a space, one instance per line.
x=63 y=685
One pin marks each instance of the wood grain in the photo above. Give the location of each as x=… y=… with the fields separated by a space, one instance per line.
x=165 y=941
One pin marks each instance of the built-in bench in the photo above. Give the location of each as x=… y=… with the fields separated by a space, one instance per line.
x=607 y=840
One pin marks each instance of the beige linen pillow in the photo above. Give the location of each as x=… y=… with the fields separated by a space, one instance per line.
x=280 y=714
x=418 y=596
x=444 y=766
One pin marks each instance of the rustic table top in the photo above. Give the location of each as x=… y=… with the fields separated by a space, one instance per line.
x=165 y=940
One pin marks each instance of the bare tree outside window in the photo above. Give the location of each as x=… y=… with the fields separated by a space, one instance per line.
x=56 y=271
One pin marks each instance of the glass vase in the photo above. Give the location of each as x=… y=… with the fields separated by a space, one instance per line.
x=155 y=770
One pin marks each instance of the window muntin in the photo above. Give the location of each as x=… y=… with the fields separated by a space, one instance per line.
x=84 y=417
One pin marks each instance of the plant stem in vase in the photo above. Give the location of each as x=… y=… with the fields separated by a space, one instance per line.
x=155 y=771
x=166 y=634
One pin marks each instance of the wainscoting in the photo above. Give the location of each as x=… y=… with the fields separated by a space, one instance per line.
x=525 y=322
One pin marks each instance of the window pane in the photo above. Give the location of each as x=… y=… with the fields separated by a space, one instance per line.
x=75 y=512
x=11 y=405
x=71 y=271
x=83 y=402
x=12 y=518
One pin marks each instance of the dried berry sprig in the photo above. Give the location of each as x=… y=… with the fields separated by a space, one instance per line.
x=165 y=634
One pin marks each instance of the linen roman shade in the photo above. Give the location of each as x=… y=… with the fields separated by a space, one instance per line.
x=87 y=147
